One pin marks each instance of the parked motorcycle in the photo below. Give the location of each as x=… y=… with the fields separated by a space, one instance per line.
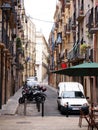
x=35 y=94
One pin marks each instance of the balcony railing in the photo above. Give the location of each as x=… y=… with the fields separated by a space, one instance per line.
x=87 y=18
x=73 y=27
x=73 y=22
x=67 y=3
x=93 y=21
x=80 y=15
x=96 y=16
x=74 y=53
x=67 y=29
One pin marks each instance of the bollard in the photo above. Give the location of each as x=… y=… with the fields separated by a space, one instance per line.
x=25 y=105
x=67 y=113
x=42 y=108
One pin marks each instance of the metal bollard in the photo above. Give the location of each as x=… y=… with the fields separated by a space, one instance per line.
x=25 y=105
x=67 y=113
x=42 y=108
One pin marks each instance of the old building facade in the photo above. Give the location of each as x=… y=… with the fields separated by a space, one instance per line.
x=17 y=47
x=29 y=45
x=8 y=32
x=74 y=40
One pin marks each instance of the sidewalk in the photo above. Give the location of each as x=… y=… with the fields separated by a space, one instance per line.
x=11 y=106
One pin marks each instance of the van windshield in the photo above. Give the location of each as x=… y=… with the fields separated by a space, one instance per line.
x=72 y=94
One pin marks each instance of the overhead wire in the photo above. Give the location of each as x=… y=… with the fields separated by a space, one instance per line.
x=46 y=21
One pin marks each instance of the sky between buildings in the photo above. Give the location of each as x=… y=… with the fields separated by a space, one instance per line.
x=41 y=12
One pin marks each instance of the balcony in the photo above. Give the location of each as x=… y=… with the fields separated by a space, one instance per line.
x=80 y=15
x=73 y=22
x=96 y=16
x=87 y=17
x=73 y=27
x=67 y=3
x=93 y=28
x=13 y=18
x=74 y=54
x=67 y=29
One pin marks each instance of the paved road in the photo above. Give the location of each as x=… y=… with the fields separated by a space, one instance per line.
x=50 y=106
x=33 y=120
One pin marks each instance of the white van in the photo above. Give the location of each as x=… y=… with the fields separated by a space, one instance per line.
x=71 y=98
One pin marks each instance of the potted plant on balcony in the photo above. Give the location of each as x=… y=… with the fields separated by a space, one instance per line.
x=18 y=43
x=19 y=47
x=84 y=48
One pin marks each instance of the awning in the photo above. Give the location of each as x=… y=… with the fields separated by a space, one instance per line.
x=84 y=69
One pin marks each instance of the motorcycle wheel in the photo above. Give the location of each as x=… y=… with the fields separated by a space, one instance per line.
x=21 y=100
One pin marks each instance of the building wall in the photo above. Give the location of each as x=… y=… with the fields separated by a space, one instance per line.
x=29 y=48
x=41 y=57
x=72 y=20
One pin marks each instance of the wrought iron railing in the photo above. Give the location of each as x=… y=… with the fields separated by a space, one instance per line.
x=74 y=52
x=96 y=16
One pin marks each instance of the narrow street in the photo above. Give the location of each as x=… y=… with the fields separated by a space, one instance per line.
x=52 y=119
x=48 y=42
x=50 y=106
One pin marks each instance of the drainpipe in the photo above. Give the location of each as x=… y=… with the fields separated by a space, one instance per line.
x=94 y=79
x=1 y=64
x=94 y=59
x=5 y=78
x=1 y=70
x=0 y=84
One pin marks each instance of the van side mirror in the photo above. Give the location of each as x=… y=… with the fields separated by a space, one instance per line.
x=59 y=97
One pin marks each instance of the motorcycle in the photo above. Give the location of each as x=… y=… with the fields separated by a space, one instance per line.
x=35 y=94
